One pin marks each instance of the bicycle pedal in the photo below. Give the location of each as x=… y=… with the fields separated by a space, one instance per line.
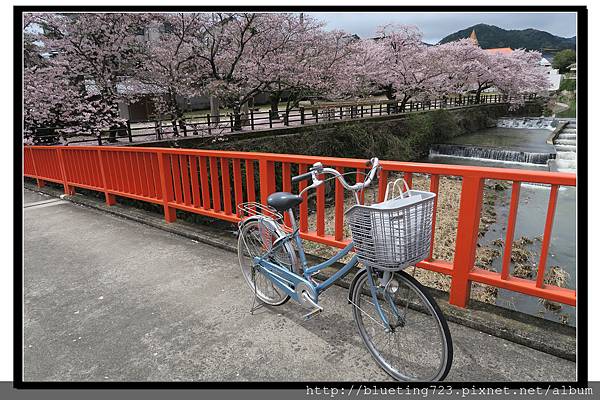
x=311 y=314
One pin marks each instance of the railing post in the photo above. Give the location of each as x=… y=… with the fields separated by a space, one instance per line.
x=183 y=127
x=110 y=198
x=208 y=122
x=69 y=190
x=174 y=128
x=466 y=239
x=286 y=119
x=270 y=119
x=539 y=282
x=341 y=112
x=164 y=169
x=39 y=182
x=231 y=121
x=99 y=137
x=301 y=115
x=317 y=116
x=129 y=131
x=266 y=171
x=252 y=118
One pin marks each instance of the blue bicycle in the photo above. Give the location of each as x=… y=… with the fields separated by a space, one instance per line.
x=398 y=320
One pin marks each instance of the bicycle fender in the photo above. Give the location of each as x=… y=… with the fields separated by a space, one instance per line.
x=354 y=280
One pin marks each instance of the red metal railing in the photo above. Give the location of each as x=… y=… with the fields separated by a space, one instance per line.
x=212 y=183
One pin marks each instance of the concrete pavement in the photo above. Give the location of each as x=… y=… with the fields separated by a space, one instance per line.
x=109 y=299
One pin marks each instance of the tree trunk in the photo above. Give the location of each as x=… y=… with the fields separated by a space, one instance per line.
x=237 y=120
x=245 y=111
x=478 y=94
x=315 y=111
x=214 y=110
x=274 y=101
x=389 y=94
x=174 y=111
x=403 y=103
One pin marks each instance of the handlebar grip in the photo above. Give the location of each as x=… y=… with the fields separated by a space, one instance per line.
x=302 y=177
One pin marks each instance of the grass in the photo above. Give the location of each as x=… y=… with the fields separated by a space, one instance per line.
x=571 y=112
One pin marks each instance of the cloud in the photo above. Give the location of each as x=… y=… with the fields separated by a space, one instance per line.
x=436 y=25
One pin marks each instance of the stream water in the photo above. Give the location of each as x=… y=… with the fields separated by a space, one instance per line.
x=523 y=148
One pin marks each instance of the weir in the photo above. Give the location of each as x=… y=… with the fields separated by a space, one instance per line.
x=527 y=123
x=490 y=153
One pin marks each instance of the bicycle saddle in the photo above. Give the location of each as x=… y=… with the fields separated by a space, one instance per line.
x=283 y=201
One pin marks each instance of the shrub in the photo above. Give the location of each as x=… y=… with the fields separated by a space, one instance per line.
x=568 y=84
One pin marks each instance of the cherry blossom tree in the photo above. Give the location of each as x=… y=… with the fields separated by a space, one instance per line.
x=475 y=69
x=244 y=54
x=96 y=50
x=519 y=72
x=83 y=65
x=413 y=68
x=168 y=61
x=289 y=52
x=228 y=53
x=362 y=73
x=302 y=61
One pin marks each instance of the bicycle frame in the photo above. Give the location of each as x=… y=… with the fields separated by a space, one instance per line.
x=283 y=277
x=287 y=280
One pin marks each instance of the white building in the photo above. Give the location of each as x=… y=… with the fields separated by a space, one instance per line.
x=553 y=75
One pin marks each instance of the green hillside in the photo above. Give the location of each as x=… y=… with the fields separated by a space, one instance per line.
x=490 y=36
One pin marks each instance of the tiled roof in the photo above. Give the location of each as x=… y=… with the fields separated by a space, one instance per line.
x=502 y=50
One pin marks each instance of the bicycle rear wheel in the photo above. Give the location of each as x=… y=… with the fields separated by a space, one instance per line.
x=419 y=346
x=254 y=241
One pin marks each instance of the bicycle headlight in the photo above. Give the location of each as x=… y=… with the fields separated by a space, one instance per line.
x=392 y=286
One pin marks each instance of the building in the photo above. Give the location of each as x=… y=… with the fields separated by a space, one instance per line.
x=553 y=75
x=498 y=50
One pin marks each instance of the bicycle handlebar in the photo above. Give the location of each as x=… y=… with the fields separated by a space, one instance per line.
x=301 y=177
x=318 y=169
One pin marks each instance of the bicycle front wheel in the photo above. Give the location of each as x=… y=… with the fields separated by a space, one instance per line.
x=418 y=347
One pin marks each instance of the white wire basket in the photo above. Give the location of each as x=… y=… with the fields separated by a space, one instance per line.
x=395 y=233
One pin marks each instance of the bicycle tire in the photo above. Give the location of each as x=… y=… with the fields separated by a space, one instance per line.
x=440 y=372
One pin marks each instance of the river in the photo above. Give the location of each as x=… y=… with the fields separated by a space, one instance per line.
x=523 y=149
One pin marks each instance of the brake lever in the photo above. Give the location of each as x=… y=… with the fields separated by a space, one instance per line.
x=317 y=167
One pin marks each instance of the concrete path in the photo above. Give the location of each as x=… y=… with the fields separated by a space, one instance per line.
x=108 y=299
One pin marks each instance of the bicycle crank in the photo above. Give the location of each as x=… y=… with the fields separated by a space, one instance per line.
x=306 y=298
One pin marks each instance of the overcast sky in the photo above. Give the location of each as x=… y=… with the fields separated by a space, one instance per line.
x=435 y=26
